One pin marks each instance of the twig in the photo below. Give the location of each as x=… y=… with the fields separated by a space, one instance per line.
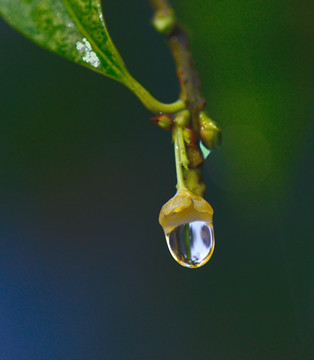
x=165 y=22
x=188 y=77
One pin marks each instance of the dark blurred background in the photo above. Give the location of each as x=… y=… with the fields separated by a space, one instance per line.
x=85 y=272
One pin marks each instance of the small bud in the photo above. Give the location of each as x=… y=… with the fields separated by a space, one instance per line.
x=164 y=22
x=209 y=132
x=189 y=137
x=182 y=118
x=164 y=121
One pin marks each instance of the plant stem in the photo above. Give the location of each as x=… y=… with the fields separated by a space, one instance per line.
x=183 y=158
x=188 y=77
x=177 y=132
x=151 y=103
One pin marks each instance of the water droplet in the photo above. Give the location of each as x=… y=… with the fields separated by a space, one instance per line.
x=192 y=244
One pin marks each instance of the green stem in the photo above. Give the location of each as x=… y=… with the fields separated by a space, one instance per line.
x=183 y=157
x=178 y=157
x=150 y=102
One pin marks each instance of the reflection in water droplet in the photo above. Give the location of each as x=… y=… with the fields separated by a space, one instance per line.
x=192 y=244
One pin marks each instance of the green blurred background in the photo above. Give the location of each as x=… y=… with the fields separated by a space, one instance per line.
x=85 y=272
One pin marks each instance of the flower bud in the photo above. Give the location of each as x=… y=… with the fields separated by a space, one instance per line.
x=184 y=207
x=164 y=22
x=164 y=121
x=182 y=118
x=189 y=137
x=209 y=132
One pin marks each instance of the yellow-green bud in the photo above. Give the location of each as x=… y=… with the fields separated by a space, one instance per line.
x=164 y=22
x=165 y=121
x=209 y=132
x=182 y=118
x=189 y=137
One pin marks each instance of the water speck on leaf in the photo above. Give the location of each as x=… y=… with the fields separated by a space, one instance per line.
x=89 y=55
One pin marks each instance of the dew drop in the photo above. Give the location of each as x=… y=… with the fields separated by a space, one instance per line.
x=192 y=244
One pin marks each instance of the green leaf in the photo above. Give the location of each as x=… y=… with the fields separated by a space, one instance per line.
x=74 y=29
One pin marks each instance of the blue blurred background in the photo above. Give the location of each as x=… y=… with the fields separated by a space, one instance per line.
x=85 y=272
